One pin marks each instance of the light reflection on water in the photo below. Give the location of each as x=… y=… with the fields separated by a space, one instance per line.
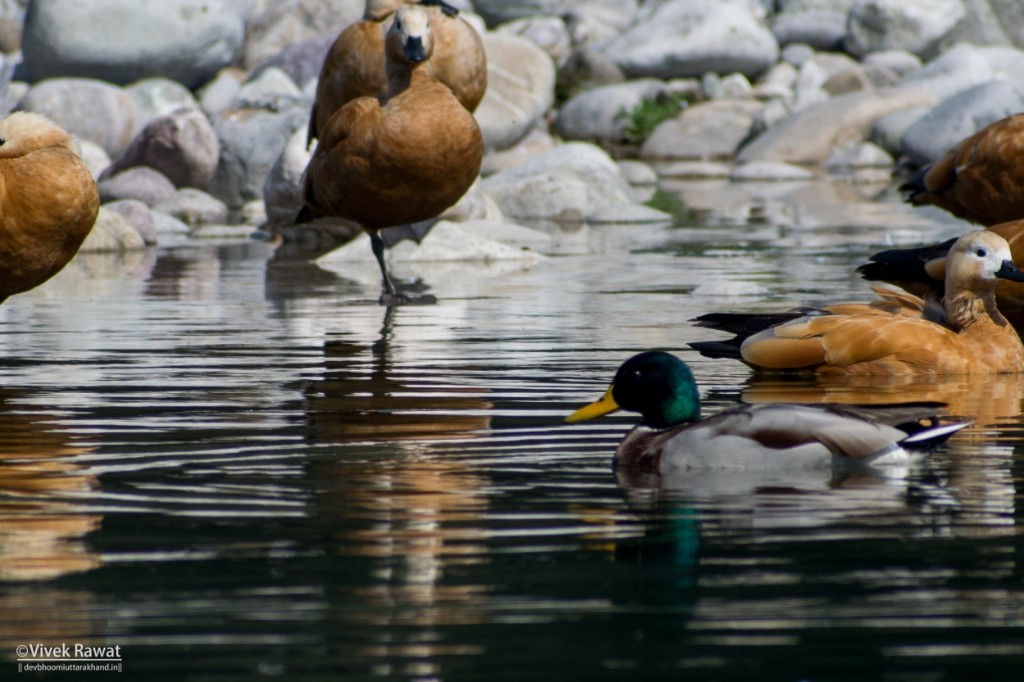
x=234 y=464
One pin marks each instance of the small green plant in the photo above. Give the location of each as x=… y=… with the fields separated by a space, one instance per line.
x=645 y=116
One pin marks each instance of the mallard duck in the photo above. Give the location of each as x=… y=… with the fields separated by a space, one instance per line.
x=967 y=335
x=922 y=271
x=400 y=161
x=354 y=64
x=981 y=179
x=48 y=201
x=672 y=435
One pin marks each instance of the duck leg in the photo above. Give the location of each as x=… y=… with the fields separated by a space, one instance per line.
x=391 y=295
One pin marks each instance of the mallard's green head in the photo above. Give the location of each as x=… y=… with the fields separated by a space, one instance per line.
x=657 y=385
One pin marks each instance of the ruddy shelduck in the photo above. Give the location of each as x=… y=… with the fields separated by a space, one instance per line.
x=400 y=161
x=354 y=65
x=672 y=435
x=48 y=201
x=966 y=336
x=981 y=179
x=922 y=271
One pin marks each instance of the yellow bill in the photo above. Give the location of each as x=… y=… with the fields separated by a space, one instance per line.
x=606 y=405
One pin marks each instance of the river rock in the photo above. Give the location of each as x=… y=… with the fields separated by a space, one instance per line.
x=182 y=146
x=692 y=37
x=823 y=30
x=586 y=68
x=889 y=130
x=142 y=183
x=810 y=135
x=536 y=142
x=138 y=215
x=267 y=88
x=603 y=112
x=95 y=157
x=520 y=89
x=992 y=22
x=769 y=171
x=282 y=190
x=708 y=130
x=194 y=208
x=121 y=41
x=251 y=140
x=496 y=12
x=288 y=22
x=302 y=60
x=91 y=109
x=111 y=233
x=918 y=26
x=219 y=94
x=156 y=97
x=547 y=33
x=960 y=116
x=570 y=182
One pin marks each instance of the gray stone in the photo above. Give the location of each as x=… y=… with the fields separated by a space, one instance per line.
x=692 y=37
x=166 y=225
x=302 y=60
x=182 y=146
x=156 y=97
x=732 y=86
x=288 y=22
x=810 y=135
x=709 y=130
x=268 y=86
x=121 y=41
x=992 y=22
x=888 y=131
x=282 y=190
x=497 y=12
x=90 y=109
x=219 y=94
x=138 y=216
x=251 y=140
x=772 y=171
x=797 y=53
x=547 y=33
x=95 y=157
x=536 y=142
x=956 y=70
x=111 y=233
x=141 y=183
x=899 y=62
x=823 y=30
x=918 y=26
x=570 y=182
x=194 y=208
x=637 y=172
x=520 y=89
x=693 y=170
x=603 y=113
x=860 y=155
x=962 y=115
x=584 y=69
x=630 y=213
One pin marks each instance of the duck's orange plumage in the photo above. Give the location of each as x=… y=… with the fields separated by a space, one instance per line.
x=48 y=201
x=354 y=65
x=401 y=161
x=981 y=179
x=972 y=338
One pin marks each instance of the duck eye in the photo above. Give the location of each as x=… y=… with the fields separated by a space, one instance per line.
x=3 y=141
x=981 y=253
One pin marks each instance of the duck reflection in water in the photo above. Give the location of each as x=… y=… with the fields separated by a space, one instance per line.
x=41 y=532
x=363 y=394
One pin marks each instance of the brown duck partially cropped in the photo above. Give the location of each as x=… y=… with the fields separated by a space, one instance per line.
x=354 y=65
x=971 y=337
x=922 y=270
x=48 y=201
x=401 y=161
x=981 y=179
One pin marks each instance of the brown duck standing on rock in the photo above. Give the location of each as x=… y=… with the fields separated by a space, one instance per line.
x=981 y=179
x=400 y=160
x=354 y=65
x=48 y=201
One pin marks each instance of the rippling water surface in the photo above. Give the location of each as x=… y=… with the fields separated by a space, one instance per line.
x=233 y=464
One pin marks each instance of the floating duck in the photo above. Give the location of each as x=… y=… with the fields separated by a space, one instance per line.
x=400 y=161
x=922 y=271
x=967 y=335
x=354 y=65
x=48 y=201
x=673 y=436
x=981 y=179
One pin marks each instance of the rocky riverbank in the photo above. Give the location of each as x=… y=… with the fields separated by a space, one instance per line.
x=192 y=113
